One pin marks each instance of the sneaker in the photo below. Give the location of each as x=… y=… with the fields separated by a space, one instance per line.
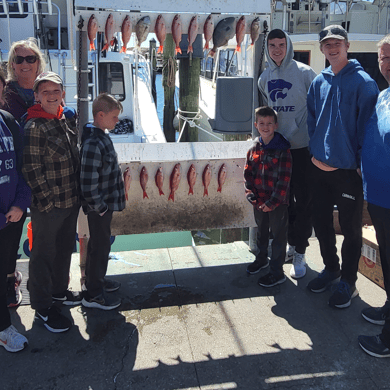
x=271 y=280
x=53 y=320
x=289 y=253
x=343 y=294
x=257 y=266
x=323 y=281
x=68 y=298
x=101 y=301
x=111 y=285
x=374 y=346
x=14 y=295
x=377 y=315
x=12 y=340
x=298 y=269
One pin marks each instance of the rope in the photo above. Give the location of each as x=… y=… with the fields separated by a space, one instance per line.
x=171 y=64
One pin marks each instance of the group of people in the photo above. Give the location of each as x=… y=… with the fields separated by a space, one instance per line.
x=42 y=168
x=332 y=148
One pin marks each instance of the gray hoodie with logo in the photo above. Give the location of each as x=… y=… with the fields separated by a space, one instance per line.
x=284 y=88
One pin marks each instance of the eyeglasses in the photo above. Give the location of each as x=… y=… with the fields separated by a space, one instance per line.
x=29 y=59
x=332 y=31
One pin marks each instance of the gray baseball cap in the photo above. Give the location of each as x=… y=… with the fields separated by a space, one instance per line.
x=333 y=31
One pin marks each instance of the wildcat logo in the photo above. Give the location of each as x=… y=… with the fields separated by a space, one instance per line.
x=278 y=89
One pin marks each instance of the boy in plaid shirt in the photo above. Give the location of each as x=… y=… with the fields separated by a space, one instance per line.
x=267 y=183
x=103 y=193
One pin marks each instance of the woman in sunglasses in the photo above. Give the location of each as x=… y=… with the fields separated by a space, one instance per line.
x=25 y=63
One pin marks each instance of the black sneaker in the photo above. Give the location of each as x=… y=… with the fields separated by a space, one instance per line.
x=323 y=281
x=271 y=280
x=111 y=285
x=101 y=301
x=14 y=295
x=374 y=346
x=68 y=298
x=377 y=315
x=53 y=320
x=343 y=294
x=257 y=266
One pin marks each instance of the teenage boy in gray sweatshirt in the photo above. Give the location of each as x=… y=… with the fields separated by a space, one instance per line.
x=283 y=86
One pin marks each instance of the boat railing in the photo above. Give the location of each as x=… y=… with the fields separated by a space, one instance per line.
x=144 y=72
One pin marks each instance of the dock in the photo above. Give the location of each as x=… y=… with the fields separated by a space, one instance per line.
x=191 y=318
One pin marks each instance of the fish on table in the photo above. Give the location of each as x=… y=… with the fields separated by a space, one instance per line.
x=143 y=179
x=221 y=177
x=127 y=181
x=92 y=29
x=109 y=32
x=159 y=179
x=223 y=32
x=206 y=178
x=142 y=29
x=176 y=33
x=161 y=32
x=191 y=178
x=240 y=32
x=126 y=31
x=174 y=181
x=208 y=30
x=192 y=33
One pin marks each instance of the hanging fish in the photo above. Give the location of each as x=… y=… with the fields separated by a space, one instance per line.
x=159 y=179
x=191 y=178
x=192 y=33
x=208 y=30
x=206 y=178
x=176 y=33
x=223 y=32
x=93 y=27
x=174 y=181
x=142 y=29
x=109 y=32
x=255 y=32
x=126 y=31
x=240 y=32
x=127 y=181
x=143 y=179
x=221 y=177
x=161 y=32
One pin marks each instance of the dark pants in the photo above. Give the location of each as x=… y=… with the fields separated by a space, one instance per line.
x=342 y=188
x=9 y=246
x=299 y=211
x=53 y=242
x=380 y=217
x=99 y=246
x=277 y=221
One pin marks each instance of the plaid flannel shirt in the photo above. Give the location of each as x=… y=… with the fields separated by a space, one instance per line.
x=101 y=178
x=267 y=175
x=51 y=162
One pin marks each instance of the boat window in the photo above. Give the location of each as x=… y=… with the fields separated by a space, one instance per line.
x=302 y=56
x=111 y=79
x=13 y=10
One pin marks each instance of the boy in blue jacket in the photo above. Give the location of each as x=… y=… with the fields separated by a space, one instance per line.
x=103 y=193
x=340 y=101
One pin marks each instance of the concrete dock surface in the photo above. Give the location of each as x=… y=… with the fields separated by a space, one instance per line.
x=191 y=318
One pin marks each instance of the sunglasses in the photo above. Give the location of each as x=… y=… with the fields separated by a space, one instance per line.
x=332 y=31
x=29 y=59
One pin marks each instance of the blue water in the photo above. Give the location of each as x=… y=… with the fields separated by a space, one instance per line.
x=160 y=98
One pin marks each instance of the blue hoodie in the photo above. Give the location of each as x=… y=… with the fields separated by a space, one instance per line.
x=338 y=109
x=13 y=189
x=376 y=154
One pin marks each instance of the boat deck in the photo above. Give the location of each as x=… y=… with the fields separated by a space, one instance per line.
x=191 y=318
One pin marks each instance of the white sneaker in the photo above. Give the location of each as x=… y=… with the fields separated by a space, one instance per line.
x=289 y=253
x=298 y=268
x=12 y=340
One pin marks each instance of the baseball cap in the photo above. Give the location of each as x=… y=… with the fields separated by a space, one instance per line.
x=47 y=76
x=333 y=31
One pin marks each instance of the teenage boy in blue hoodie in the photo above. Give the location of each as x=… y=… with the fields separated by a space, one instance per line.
x=267 y=182
x=340 y=101
x=376 y=185
x=283 y=86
